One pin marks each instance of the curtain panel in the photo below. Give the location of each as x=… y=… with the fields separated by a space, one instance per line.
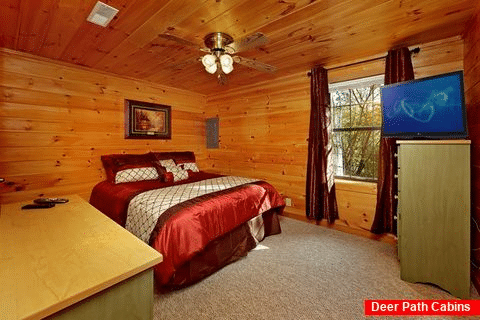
x=398 y=68
x=321 y=202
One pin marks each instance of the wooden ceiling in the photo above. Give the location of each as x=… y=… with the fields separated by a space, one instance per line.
x=302 y=33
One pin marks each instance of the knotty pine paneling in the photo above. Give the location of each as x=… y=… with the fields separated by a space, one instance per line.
x=139 y=41
x=472 y=97
x=56 y=121
x=264 y=130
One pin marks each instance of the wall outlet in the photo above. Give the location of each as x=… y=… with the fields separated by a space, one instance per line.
x=288 y=202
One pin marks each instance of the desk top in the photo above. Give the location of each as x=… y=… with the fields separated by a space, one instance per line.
x=53 y=258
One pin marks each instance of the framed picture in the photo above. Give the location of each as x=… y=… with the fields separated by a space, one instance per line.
x=145 y=120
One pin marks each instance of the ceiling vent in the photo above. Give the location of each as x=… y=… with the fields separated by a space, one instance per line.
x=102 y=14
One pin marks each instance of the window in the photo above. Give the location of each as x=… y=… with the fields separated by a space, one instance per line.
x=356 y=120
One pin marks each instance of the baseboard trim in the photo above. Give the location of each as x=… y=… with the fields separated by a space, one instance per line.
x=387 y=238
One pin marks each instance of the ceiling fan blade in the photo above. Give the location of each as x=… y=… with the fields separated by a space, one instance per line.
x=247 y=43
x=182 y=41
x=260 y=66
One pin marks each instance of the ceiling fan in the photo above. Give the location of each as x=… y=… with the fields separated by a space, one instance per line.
x=221 y=53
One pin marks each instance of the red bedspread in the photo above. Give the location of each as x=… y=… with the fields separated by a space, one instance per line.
x=193 y=224
x=112 y=199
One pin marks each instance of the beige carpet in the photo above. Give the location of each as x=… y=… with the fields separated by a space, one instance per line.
x=307 y=272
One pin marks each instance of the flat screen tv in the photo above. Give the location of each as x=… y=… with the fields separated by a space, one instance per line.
x=427 y=108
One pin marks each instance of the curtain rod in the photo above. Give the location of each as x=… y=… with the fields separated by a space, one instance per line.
x=415 y=50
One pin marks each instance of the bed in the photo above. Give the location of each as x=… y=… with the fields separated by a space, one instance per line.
x=199 y=221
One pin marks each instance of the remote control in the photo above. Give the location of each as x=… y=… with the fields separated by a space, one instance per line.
x=38 y=206
x=51 y=200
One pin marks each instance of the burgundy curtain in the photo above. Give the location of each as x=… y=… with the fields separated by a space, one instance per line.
x=398 y=68
x=320 y=196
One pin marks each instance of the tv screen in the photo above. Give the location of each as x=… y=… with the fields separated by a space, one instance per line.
x=430 y=107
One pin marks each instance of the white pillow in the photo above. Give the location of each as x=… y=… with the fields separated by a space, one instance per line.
x=178 y=173
x=136 y=174
x=167 y=163
x=190 y=166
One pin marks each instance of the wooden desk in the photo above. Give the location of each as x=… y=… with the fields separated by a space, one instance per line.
x=56 y=258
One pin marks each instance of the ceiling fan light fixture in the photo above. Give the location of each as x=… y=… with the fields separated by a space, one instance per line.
x=209 y=60
x=221 y=50
x=227 y=69
x=226 y=61
x=211 y=69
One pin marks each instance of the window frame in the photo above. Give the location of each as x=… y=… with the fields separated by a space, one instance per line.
x=354 y=84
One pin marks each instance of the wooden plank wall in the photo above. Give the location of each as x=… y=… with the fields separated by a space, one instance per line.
x=57 y=120
x=472 y=97
x=264 y=130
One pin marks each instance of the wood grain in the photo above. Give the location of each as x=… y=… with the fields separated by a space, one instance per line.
x=264 y=130
x=57 y=120
x=341 y=226
x=10 y=11
x=90 y=253
x=302 y=33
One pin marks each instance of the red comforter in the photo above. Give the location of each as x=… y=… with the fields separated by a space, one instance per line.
x=191 y=225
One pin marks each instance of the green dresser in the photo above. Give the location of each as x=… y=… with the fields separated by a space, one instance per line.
x=434 y=213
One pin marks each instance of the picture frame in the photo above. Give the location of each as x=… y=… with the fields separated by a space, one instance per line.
x=145 y=120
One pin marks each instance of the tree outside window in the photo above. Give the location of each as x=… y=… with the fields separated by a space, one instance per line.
x=356 y=120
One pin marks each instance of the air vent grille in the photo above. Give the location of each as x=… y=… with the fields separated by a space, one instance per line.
x=102 y=14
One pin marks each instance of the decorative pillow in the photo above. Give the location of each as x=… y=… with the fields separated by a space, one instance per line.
x=114 y=163
x=167 y=163
x=178 y=173
x=173 y=173
x=136 y=174
x=168 y=177
x=190 y=166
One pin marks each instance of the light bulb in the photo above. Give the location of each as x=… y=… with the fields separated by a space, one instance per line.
x=226 y=62
x=211 y=69
x=227 y=69
x=209 y=60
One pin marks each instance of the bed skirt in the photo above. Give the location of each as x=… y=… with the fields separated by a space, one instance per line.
x=221 y=252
